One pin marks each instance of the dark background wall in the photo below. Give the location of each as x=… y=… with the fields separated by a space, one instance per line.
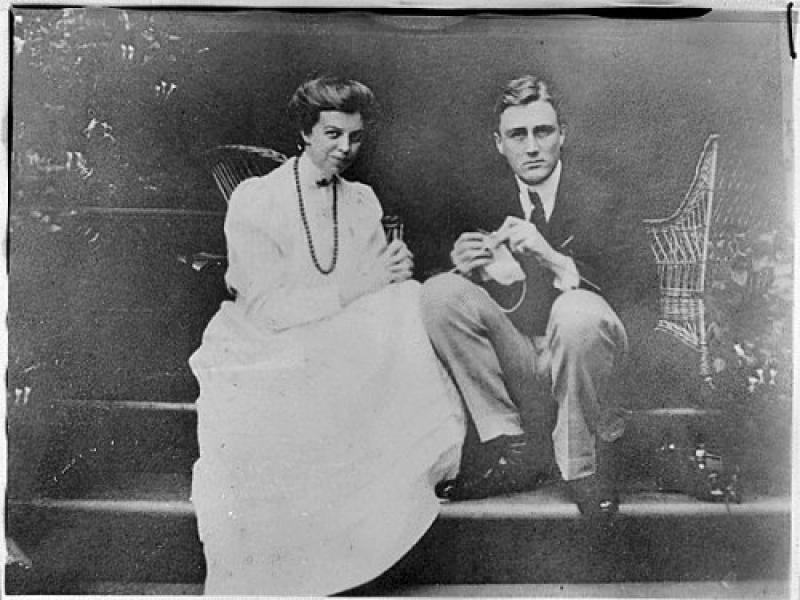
x=641 y=96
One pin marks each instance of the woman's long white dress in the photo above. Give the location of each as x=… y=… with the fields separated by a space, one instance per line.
x=322 y=430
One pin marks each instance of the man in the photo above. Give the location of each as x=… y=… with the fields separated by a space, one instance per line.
x=543 y=350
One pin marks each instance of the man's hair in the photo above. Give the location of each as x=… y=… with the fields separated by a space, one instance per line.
x=524 y=90
x=329 y=93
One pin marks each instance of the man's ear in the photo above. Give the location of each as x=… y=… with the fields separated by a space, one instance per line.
x=563 y=132
x=498 y=142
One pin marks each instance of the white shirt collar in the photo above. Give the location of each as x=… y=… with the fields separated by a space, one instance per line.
x=547 y=192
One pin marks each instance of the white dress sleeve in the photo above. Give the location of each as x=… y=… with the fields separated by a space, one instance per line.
x=369 y=223
x=275 y=292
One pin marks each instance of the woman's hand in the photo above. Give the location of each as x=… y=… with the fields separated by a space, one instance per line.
x=471 y=252
x=398 y=260
x=394 y=264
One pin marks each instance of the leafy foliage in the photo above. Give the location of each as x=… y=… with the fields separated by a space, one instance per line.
x=750 y=310
x=106 y=128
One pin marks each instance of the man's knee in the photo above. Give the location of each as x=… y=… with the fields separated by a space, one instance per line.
x=580 y=316
x=443 y=296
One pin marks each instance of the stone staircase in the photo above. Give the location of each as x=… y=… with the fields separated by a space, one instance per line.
x=111 y=515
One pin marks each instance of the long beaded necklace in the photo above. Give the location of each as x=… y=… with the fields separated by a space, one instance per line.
x=310 y=241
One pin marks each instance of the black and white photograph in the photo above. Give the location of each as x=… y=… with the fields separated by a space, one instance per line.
x=400 y=299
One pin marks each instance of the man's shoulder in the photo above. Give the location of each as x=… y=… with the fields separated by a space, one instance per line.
x=582 y=181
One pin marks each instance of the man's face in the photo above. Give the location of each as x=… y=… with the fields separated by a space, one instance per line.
x=334 y=141
x=530 y=138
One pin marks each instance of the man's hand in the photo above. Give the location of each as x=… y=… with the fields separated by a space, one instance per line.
x=471 y=252
x=523 y=238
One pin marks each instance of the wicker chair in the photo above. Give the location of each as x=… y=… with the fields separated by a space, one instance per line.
x=233 y=163
x=230 y=165
x=680 y=243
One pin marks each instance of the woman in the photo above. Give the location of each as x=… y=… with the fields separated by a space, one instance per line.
x=324 y=419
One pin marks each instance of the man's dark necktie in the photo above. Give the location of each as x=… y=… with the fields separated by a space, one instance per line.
x=538 y=217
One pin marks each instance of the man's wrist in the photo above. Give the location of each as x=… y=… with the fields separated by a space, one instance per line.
x=566 y=272
x=558 y=260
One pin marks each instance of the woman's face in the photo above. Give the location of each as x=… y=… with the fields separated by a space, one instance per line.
x=333 y=143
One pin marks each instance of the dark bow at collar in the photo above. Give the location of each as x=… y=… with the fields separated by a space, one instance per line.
x=326 y=182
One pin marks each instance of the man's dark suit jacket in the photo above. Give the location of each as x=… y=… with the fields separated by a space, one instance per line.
x=591 y=224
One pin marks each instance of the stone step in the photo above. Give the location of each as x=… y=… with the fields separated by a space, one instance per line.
x=64 y=447
x=728 y=590
x=140 y=528
x=72 y=444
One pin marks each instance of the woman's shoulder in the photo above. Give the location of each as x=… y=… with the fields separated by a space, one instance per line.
x=360 y=194
x=254 y=194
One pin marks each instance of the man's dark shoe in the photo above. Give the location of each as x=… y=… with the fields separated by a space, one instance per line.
x=594 y=498
x=597 y=495
x=507 y=464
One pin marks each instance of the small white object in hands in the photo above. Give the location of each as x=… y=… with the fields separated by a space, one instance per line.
x=504 y=268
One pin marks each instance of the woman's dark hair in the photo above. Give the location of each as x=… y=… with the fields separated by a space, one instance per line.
x=524 y=90
x=329 y=93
